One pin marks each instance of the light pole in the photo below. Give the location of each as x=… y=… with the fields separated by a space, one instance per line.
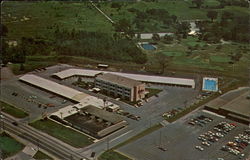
x=2 y=118
x=107 y=143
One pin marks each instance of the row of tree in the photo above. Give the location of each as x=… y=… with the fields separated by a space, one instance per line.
x=144 y=19
x=99 y=46
x=222 y=3
x=230 y=26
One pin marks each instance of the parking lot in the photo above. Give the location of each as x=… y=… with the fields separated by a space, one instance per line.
x=139 y=118
x=182 y=140
x=31 y=99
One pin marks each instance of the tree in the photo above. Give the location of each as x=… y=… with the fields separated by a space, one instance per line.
x=183 y=28
x=4 y=30
x=226 y=15
x=212 y=15
x=124 y=25
x=174 y=17
x=168 y=39
x=116 y=5
x=163 y=61
x=79 y=79
x=5 y=56
x=19 y=55
x=198 y=3
x=156 y=37
x=21 y=67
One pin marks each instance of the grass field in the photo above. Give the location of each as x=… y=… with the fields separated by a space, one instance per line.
x=205 y=57
x=9 y=146
x=112 y=155
x=42 y=18
x=64 y=134
x=30 y=66
x=41 y=156
x=173 y=53
x=220 y=59
x=152 y=92
x=193 y=41
x=173 y=7
x=214 y=57
x=15 y=112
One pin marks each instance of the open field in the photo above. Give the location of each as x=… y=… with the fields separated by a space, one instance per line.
x=203 y=57
x=33 y=22
x=64 y=134
x=16 y=112
x=40 y=156
x=9 y=146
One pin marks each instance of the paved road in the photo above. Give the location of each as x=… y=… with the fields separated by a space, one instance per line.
x=54 y=146
x=169 y=98
x=180 y=140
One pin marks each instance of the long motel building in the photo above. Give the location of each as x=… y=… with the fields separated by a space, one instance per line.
x=119 y=86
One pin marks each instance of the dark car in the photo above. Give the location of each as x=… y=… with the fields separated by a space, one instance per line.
x=15 y=123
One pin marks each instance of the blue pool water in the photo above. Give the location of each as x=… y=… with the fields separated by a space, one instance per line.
x=210 y=85
x=148 y=47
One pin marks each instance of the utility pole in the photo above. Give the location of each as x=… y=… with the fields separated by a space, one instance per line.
x=38 y=144
x=160 y=140
x=2 y=118
x=107 y=143
x=71 y=157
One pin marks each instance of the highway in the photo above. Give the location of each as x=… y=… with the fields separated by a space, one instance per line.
x=45 y=142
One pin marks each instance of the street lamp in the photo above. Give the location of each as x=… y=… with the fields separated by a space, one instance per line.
x=2 y=118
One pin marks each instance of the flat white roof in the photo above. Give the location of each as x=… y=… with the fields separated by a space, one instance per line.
x=150 y=35
x=139 y=77
x=53 y=87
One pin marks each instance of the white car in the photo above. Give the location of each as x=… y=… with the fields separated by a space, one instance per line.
x=206 y=144
x=199 y=148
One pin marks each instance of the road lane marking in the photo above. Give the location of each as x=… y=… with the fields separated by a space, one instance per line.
x=120 y=136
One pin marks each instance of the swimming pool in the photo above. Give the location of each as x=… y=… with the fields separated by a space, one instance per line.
x=210 y=85
x=149 y=47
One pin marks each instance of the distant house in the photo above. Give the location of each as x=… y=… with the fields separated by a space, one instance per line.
x=150 y=35
x=104 y=66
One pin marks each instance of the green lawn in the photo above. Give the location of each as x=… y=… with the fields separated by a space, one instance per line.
x=15 y=112
x=193 y=41
x=152 y=92
x=173 y=7
x=30 y=66
x=67 y=135
x=9 y=146
x=222 y=59
x=173 y=53
x=205 y=57
x=41 y=156
x=112 y=155
x=42 y=18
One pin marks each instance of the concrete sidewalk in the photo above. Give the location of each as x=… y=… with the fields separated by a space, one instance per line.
x=27 y=153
